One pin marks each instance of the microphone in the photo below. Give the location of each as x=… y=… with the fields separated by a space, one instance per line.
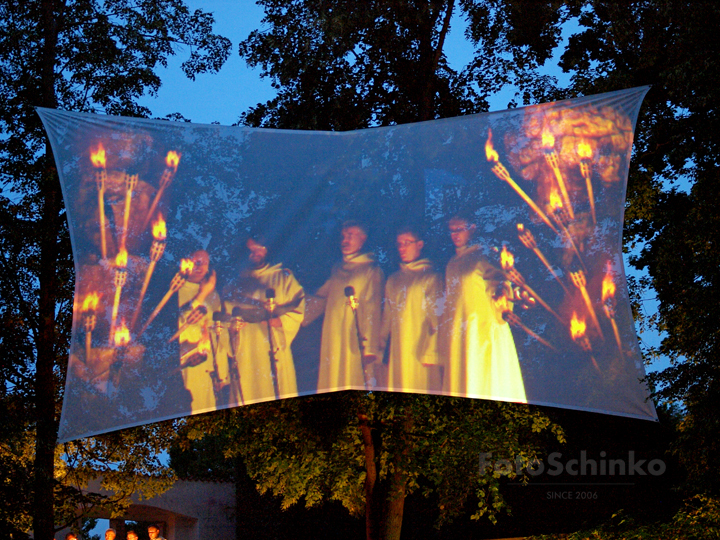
x=270 y=304
x=350 y=295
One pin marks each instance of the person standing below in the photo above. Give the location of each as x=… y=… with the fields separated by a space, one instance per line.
x=358 y=278
x=273 y=304
x=477 y=345
x=154 y=533
x=198 y=299
x=410 y=320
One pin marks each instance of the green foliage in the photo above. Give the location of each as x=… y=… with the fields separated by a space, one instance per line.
x=311 y=450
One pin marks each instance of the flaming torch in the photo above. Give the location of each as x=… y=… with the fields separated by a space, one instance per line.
x=120 y=340
x=178 y=280
x=555 y=207
x=577 y=333
x=159 y=232
x=502 y=173
x=608 y=300
x=578 y=279
x=120 y=278
x=89 y=306
x=508 y=316
x=98 y=160
x=552 y=159
x=507 y=262
x=172 y=160
x=528 y=240
x=131 y=181
x=584 y=152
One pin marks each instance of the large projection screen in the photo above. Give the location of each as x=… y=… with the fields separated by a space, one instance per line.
x=477 y=256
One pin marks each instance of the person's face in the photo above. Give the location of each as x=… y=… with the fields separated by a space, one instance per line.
x=109 y=535
x=409 y=247
x=153 y=533
x=353 y=239
x=460 y=232
x=201 y=265
x=132 y=536
x=257 y=252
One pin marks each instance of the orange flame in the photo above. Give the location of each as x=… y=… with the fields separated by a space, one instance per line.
x=172 y=159
x=555 y=200
x=490 y=152
x=91 y=302
x=520 y=228
x=122 y=335
x=98 y=157
x=507 y=259
x=121 y=259
x=577 y=326
x=186 y=266
x=584 y=150
x=548 y=140
x=608 y=285
x=159 y=230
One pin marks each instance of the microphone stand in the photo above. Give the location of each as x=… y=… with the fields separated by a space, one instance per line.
x=218 y=318
x=270 y=307
x=353 y=303
x=235 y=384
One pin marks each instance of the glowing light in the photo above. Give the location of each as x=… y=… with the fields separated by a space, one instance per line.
x=548 y=140
x=91 y=302
x=121 y=259
x=507 y=259
x=584 y=150
x=520 y=228
x=172 y=159
x=159 y=229
x=490 y=152
x=555 y=200
x=186 y=266
x=577 y=326
x=608 y=285
x=122 y=335
x=98 y=157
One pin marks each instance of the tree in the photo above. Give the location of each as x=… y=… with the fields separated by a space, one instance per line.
x=369 y=451
x=672 y=217
x=78 y=55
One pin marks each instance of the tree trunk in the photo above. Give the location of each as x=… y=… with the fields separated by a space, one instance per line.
x=373 y=510
x=43 y=509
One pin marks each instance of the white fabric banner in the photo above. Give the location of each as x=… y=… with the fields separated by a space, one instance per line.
x=477 y=256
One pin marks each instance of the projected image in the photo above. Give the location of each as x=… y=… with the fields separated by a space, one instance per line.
x=221 y=266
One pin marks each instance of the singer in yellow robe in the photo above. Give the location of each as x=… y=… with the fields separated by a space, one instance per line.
x=410 y=320
x=199 y=290
x=477 y=345
x=253 y=347
x=341 y=364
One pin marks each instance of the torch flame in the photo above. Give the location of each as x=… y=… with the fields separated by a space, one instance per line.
x=548 y=140
x=186 y=266
x=555 y=200
x=122 y=335
x=122 y=258
x=584 y=150
x=608 y=285
x=91 y=302
x=507 y=259
x=98 y=157
x=577 y=326
x=520 y=228
x=490 y=152
x=159 y=230
x=172 y=159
